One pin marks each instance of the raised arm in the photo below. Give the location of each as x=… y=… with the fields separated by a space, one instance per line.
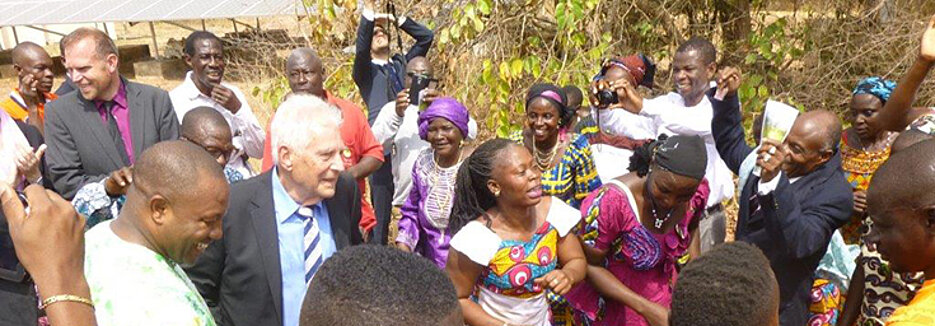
x=726 y=124
x=898 y=112
x=362 y=69
x=421 y=34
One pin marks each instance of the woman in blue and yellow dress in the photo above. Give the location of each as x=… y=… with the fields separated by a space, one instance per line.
x=511 y=242
x=564 y=157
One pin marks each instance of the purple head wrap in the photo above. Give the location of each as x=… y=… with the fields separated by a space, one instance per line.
x=447 y=108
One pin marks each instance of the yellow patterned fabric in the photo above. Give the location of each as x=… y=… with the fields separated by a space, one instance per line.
x=859 y=166
x=921 y=311
x=574 y=176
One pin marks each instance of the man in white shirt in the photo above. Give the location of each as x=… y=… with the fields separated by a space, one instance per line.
x=687 y=111
x=396 y=127
x=204 y=53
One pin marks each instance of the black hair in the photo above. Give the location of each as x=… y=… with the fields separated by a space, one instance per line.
x=702 y=45
x=572 y=94
x=564 y=112
x=197 y=36
x=642 y=157
x=730 y=285
x=194 y=121
x=377 y=285
x=472 y=197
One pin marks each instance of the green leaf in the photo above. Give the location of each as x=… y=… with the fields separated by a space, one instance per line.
x=478 y=24
x=484 y=6
x=519 y=108
x=763 y=91
x=487 y=73
x=560 y=15
x=504 y=70
x=536 y=66
x=444 y=37
x=516 y=67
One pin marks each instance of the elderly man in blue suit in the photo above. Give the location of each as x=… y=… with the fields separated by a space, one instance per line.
x=799 y=198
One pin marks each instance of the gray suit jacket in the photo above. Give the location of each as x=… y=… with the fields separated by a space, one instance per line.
x=80 y=149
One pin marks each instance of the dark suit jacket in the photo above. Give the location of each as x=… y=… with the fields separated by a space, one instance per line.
x=80 y=148
x=372 y=80
x=796 y=221
x=240 y=275
x=17 y=297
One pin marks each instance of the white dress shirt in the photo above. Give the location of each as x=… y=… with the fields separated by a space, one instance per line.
x=248 y=135
x=402 y=135
x=668 y=115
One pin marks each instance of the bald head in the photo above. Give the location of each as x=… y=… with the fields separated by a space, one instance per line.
x=174 y=169
x=823 y=124
x=178 y=197
x=203 y=122
x=28 y=51
x=305 y=72
x=33 y=67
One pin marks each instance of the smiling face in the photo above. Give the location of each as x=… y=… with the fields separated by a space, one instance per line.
x=863 y=108
x=314 y=169
x=94 y=75
x=444 y=137
x=207 y=63
x=543 y=118
x=805 y=149
x=516 y=178
x=691 y=76
x=191 y=223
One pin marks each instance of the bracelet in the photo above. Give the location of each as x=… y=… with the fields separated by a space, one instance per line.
x=38 y=181
x=65 y=297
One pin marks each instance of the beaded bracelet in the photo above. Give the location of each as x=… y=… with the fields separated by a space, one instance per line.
x=65 y=297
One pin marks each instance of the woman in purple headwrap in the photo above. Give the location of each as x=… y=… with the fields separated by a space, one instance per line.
x=423 y=227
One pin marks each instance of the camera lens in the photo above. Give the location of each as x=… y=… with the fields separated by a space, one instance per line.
x=606 y=97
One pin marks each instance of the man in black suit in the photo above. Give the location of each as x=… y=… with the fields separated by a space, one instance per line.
x=282 y=225
x=108 y=122
x=379 y=78
x=799 y=199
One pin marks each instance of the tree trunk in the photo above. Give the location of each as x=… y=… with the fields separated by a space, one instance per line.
x=734 y=16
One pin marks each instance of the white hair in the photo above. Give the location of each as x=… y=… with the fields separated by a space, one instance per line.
x=299 y=119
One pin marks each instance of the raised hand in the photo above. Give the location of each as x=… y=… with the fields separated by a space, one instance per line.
x=28 y=162
x=402 y=102
x=769 y=159
x=118 y=182
x=927 y=50
x=49 y=239
x=226 y=98
x=728 y=82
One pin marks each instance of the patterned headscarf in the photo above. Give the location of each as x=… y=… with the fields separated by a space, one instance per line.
x=876 y=86
x=447 y=108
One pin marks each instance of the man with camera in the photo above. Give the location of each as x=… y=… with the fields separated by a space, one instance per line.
x=396 y=126
x=686 y=111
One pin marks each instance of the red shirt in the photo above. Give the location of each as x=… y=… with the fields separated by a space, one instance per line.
x=360 y=142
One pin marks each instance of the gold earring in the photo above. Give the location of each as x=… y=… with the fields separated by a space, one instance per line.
x=496 y=193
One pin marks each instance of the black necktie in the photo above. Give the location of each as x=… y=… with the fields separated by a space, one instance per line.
x=754 y=201
x=115 y=132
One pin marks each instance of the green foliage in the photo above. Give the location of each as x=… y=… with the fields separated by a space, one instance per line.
x=774 y=47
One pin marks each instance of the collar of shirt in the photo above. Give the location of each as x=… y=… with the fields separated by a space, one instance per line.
x=283 y=205
x=793 y=180
x=120 y=99
x=192 y=92
x=379 y=62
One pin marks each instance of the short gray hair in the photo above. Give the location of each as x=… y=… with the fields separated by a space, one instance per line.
x=299 y=119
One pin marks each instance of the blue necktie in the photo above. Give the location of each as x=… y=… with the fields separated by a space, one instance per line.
x=313 y=250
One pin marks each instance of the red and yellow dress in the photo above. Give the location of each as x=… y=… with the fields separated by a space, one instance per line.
x=859 y=166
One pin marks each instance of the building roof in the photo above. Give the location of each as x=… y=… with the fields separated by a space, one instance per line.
x=47 y=12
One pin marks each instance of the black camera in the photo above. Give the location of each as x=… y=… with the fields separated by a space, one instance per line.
x=607 y=97
x=419 y=83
